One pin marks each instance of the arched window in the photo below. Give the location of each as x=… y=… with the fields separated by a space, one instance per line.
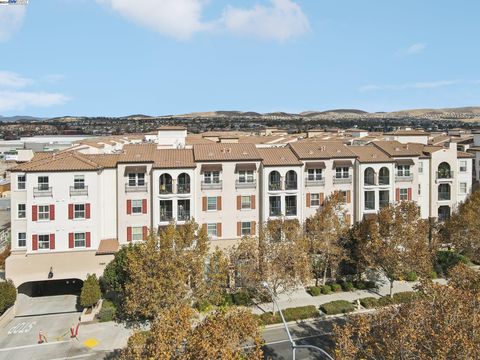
x=274 y=181
x=444 y=171
x=183 y=184
x=291 y=180
x=384 y=176
x=443 y=192
x=369 y=176
x=165 y=184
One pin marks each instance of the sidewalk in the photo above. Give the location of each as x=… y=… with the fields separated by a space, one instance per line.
x=301 y=298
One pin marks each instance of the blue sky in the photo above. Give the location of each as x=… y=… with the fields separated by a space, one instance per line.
x=121 y=57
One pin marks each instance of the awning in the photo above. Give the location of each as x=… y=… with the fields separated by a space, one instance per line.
x=342 y=163
x=108 y=246
x=404 y=162
x=315 y=165
x=245 y=167
x=139 y=169
x=211 y=167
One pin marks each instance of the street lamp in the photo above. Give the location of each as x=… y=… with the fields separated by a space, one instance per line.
x=292 y=342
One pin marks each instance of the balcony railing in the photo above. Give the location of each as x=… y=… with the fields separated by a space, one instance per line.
x=384 y=203
x=291 y=185
x=275 y=186
x=166 y=189
x=275 y=212
x=314 y=182
x=183 y=188
x=444 y=196
x=183 y=215
x=384 y=180
x=403 y=177
x=212 y=186
x=245 y=184
x=369 y=205
x=136 y=187
x=166 y=215
x=290 y=211
x=76 y=191
x=42 y=191
x=342 y=180
x=444 y=175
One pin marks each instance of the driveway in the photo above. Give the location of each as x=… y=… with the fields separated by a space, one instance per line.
x=46 y=305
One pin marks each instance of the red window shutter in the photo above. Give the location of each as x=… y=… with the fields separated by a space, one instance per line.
x=349 y=196
x=253 y=228
x=70 y=241
x=70 y=211
x=219 y=229
x=239 y=202
x=322 y=198
x=34 y=242
x=88 y=240
x=87 y=211
x=204 y=203
x=239 y=228
x=252 y=200
x=308 y=200
x=219 y=203
x=144 y=206
x=129 y=207
x=397 y=195
x=52 y=241
x=409 y=194
x=34 y=213
x=144 y=233
x=52 y=212
x=129 y=233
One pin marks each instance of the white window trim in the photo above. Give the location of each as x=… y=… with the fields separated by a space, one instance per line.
x=25 y=182
x=216 y=204
x=84 y=212
x=141 y=233
x=216 y=233
x=141 y=208
x=18 y=240
x=38 y=242
x=38 y=214
x=25 y=217
x=84 y=239
x=311 y=200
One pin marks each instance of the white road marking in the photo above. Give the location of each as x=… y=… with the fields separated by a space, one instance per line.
x=75 y=357
x=22 y=328
x=33 y=345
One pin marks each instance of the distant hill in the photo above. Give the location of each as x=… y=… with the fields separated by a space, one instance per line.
x=20 y=118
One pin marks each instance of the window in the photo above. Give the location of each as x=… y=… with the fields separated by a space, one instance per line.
x=136 y=179
x=43 y=183
x=212 y=229
x=314 y=200
x=79 y=182
x=79 y=211
x=211 y=177
x=342 y=172
x=43 y=212
x=275 y=206
x=137 y=233
x=463 y=166
x=383 y=198
x=420 y=167
x=419 y=189
x=22 y=211
x=79 y=240
x=314 y=174
x=290 y=205
x=369 y=200
x=463 y=188
x=369 y=176
x=403 y=170
x=136 y=206
x=245 y=176
x=211 y=203
x=43 y=242
x=403 y=194
x=166 y=210
x=246 y=202
x=22 y=239
x=21 y=182
x=246 y=228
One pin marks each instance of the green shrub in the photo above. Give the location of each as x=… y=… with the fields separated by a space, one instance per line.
x=337 y=307
x=8 y=295
x=446 y=259
x=347 y=286
x=336 y=287
x=404 y=297
x=369 y=302
x=370 y=284
x=360 y=285
x=227 y=300
x=314 y=290
x=326 y=289
x=290 y=314
x=385 y=301
x=203 y=305
x=107 y=312
x=433 y=274
x=411 y=276
x=242 y=298
x=90 y=291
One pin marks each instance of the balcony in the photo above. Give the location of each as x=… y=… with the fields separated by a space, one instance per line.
x=314 y=182
x=183 y=215
x=444 y=196
x=136 y=187
x=291 y=185
x=166 y=215
x=404 y=177
x=246 y=184
x=166 y=189
x=290 y=211
x=342 y=180
x=275 y=212
x=444 y=175
x=183 y=189
x=275 y=186
x=42 y=191
x=383 y=180
x=212 y=185
x=78 y=191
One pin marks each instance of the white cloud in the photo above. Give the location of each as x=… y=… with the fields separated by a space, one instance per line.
x=13 y=80
x=417 y=85
x=177 y=18
x=416 y=48
x=181 y=19
x=20 y=100
x=280 y=21
x=11 y=19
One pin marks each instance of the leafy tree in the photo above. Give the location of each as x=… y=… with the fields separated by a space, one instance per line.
x=278 y=256
x=115 y=275
x=8 y=295
x=178 y=334
x=396 y=242
x=91 y=292
x=326 y=231
x=443 y=323
x=462 y=230
x=3 y=256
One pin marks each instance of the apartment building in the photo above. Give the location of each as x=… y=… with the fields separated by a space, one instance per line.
x=72 y=210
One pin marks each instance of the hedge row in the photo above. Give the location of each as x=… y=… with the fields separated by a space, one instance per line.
x=343 y=285
x=107 y=312
x=337 y=307
x=398 y=298
x=290 y=314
